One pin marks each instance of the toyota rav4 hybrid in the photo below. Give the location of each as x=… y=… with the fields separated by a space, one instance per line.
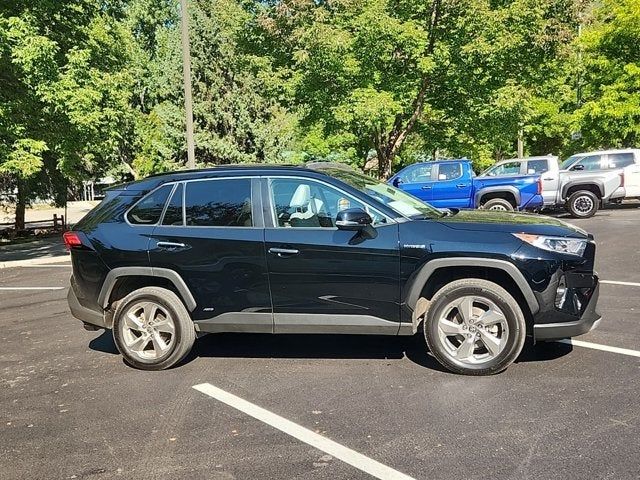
x=322 y=249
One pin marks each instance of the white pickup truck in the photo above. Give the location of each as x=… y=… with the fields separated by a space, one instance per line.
x=583 y=182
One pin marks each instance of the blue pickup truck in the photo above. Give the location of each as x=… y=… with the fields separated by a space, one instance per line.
x=452 y=184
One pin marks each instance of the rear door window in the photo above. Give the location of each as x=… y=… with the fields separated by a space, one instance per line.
x=148 y=210
x=219 y=203
x=449 y=171
x=537 y=166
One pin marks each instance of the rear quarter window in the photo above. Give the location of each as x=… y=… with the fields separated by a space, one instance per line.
x=148 y=210
x=620 y=160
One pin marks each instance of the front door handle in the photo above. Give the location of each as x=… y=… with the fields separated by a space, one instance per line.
x=283 y=252
x=462 y=185
x=547 y=178
x=426 y=187
x=170 y=245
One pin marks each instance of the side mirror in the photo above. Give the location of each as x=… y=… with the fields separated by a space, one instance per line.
x=577 y=167
x=353 y=219
x=396 y=181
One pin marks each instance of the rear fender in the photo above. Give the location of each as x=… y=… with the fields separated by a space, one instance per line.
x=510 y=189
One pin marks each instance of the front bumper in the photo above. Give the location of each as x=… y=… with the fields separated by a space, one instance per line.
x=587 y=321
x=86 y=315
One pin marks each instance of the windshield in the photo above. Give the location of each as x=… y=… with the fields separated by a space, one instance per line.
x=401 y=202
x=569 y=161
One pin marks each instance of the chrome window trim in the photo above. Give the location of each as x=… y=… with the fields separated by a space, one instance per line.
x=390 y=220
x=151 y=192
x=184 y=203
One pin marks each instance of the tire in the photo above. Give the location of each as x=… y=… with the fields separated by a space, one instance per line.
x=583 y=204
x=459 y=341
x=147 y=320
x=498 y=204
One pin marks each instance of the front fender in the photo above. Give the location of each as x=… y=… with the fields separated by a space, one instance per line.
x=420 y=278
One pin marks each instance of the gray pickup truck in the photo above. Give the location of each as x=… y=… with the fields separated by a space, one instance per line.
x=583 y=182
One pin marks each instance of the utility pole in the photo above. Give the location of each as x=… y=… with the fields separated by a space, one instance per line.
x=520 y=141
x=186 y=72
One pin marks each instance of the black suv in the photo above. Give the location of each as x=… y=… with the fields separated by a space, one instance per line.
x=322 y=249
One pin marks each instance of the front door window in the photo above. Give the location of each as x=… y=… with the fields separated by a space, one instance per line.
x=305 y=203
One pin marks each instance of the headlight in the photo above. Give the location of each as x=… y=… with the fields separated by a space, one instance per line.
x=571 y=246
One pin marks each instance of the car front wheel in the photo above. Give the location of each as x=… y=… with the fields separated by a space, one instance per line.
x=152 y=329
x=474 y=327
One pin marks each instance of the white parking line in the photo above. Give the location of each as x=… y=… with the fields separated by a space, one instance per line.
x=31 y=288
x=353 y=458
x=66 y=265
x=597 y=346
x=613 y=282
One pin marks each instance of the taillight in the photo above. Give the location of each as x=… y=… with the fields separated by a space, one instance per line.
x=622 y=179
x=539 y=185
x=71 y=239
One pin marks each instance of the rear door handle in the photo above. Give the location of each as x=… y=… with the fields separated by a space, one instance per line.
x=462 y=185
x=547 y=178
x=283 y=252
x=170 y=245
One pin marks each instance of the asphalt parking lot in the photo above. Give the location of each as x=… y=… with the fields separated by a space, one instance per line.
x=70 y=408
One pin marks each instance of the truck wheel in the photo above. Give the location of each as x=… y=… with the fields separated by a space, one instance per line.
x=474 y=327
x=583 y=204
x=499 y=204
x=152 y=329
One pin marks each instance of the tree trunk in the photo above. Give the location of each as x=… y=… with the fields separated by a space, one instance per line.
x=389 y=146
x=384 y=164
x=21 y=205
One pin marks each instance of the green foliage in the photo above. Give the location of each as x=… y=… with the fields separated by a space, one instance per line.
x=90 y=87
x=25 y=158
x=610 y=113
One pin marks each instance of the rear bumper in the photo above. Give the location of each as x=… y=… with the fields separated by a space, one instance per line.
x=587 y=321
x=86 y=315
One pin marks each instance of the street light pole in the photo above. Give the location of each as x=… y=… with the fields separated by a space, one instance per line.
x=186 y=72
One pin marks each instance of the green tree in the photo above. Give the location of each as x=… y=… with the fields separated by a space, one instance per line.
x=462 y=75
x=66 y=83
x=609 y=114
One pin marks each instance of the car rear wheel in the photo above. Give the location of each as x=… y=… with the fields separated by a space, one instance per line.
x=474 y=327
x=583 y=204
x=498 y=204
x=152 y=329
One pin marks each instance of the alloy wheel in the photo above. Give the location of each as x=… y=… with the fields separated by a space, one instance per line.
x=148 y=330
x=473 y=330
